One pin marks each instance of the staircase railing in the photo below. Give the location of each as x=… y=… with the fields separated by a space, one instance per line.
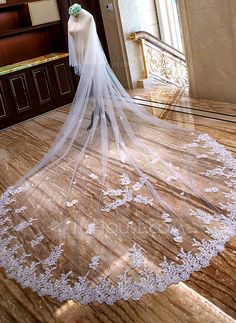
x=161 y=61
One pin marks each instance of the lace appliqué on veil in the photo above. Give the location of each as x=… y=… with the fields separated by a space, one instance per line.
x=126 y=287
x=126 y=195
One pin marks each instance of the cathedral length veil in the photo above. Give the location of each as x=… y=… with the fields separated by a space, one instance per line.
x=127 y=208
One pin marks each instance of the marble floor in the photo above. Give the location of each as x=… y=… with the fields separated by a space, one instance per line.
x=208 y=296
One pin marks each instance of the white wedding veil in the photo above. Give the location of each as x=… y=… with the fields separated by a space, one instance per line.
x=126 y=208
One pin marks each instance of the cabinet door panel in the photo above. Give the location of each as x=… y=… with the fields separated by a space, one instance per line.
x=20 y=92
x=42 y=84
x=62 y=77
x=7 y=111
x=3 y=108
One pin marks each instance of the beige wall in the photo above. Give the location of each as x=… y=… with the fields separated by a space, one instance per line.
x=210 y=39
x=115 y=41
x=127 y=17
x=148 y=16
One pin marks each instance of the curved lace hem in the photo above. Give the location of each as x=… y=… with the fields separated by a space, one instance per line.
x=126 y=287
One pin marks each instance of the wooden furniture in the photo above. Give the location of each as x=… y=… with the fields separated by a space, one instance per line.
x=34 y=72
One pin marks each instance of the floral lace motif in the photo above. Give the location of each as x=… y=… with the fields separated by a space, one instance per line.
x=53 y=257
x=211 y=190
x=91 y=229
x=176 y=235
x=205 y=217
x=20 y=210
x=23 y=225
x=37 y=241
x=93 y=176
x=94 y=262
x=126 y=195
x=71 y=203
x=135 y=256
x=166 y=217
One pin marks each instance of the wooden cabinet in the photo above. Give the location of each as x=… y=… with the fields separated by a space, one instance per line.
x=34 y=72
x=48 y=83
x=34 y=90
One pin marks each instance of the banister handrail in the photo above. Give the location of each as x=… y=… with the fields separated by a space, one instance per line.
x=161 y=62
x=143 y=35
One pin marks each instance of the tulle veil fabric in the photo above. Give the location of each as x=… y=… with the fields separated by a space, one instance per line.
x=126 y=208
